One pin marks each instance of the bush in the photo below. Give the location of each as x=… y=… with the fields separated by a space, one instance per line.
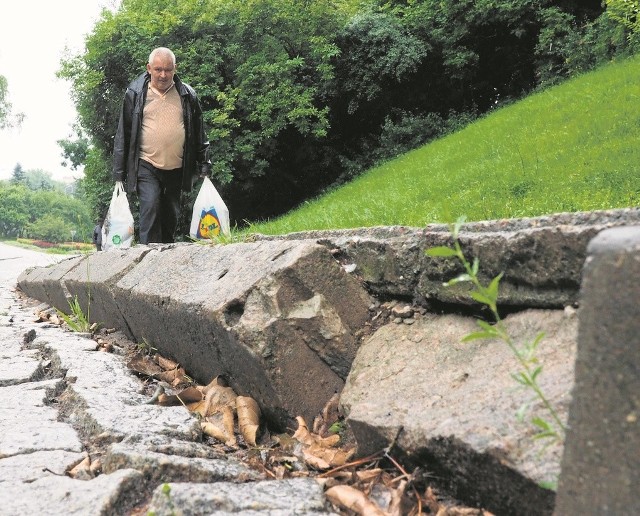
x=50 y=229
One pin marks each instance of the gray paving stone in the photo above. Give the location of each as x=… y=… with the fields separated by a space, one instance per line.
x=40 y=464
x=103 y=495
x=162 y=467
x=27 y=424
x=103 y=397
x=16 y=366
x=270 y=497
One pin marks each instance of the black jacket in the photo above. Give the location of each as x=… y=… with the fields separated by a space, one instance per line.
x=126 y=148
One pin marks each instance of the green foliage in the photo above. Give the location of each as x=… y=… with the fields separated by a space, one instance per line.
x=376 y=51
x=505 y=165
x=96 y=186
x=15 y=209
x=525 y=353
x=300 y=95
x=76 y=320
x=75 y=151
x=7 y=117
x=42 y=214
x=625 y=14
x=50 y=229
x=18 y=176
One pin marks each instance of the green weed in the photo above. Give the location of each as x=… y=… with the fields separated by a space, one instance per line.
x=77 y=320
x=221 y=239
x=145 y=347
x=525 y=353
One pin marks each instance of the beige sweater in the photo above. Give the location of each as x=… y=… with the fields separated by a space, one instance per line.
x=162 y=138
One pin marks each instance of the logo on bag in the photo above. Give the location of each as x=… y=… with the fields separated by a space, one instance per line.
x=116 y=240
x=209 y=224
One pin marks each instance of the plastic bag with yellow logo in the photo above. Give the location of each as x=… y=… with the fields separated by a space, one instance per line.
x=210 y=214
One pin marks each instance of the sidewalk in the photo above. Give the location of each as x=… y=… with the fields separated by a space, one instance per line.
x=76 y=436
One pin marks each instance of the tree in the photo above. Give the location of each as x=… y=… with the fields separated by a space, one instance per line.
x=18 y=177
x=15 y=204
x=7 y=118
x=260 y=67
x=37 y=179
x=75 y=148
x=626 y=13
x=21 y=207
x=300 y=95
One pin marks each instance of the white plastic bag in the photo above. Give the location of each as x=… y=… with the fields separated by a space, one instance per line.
x=117 y=230
x=210 y=214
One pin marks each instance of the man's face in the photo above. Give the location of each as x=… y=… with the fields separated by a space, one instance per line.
x=162 y=70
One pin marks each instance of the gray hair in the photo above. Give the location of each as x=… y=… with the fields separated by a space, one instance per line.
x=164 y=51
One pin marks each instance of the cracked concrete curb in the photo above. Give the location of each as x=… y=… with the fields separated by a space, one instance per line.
x=62 y=401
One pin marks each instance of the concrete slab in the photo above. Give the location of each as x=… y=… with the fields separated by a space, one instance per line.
x=276 y=318
x=601 y=463
x=46 y=283
x=28 y=424
x=274 y=497
x=95 y=406
x=40 y=464
x=106 y=494
x=163 y=467
x=452 y=405
x=93 y=283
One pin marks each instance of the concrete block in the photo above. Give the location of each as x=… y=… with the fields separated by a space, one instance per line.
x=450 y=406
x=93 y=280
x=46 y=283
x=278 y=319
x=601 y=462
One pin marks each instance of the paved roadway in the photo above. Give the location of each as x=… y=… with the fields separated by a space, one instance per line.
x=64 y=404
x=14 y=260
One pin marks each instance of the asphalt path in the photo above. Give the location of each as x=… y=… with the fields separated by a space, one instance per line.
x=14 y=260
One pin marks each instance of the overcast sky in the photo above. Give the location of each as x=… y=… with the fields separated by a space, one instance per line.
x=33 y=36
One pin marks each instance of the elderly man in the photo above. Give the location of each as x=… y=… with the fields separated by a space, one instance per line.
x=160 y=146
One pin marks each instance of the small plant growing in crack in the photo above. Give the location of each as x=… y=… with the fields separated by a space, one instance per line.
x=166 y=490
x=525 y=353
x=77 y=321
x=146 y=347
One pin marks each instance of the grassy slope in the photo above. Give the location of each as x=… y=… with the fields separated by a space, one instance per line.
x=573 y=147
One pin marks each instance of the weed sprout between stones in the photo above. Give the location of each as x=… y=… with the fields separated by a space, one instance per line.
x=525 y=353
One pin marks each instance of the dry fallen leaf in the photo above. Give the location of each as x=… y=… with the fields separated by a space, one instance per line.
x=369 y=475
x=144 y=365
x=214 y=430
x=320 y=452
x=166 y=363
x=303 y=435
x=82 y=470
x=185 y=397
x=248 y=418
x=395 y=507
x=321 y=457
x=435 y=507
x=170 y=376
x=353 y=499
x=221 y=425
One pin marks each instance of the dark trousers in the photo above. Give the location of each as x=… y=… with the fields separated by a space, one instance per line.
x=159 y=196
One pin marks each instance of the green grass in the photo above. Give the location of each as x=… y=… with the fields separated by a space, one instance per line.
x=573 y=147
x=46 y=247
